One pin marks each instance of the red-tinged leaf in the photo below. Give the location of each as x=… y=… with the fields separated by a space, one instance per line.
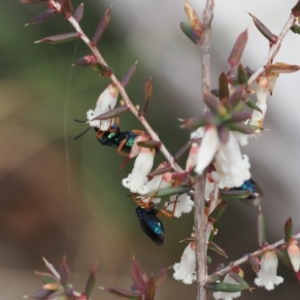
x=196 y=122
x=32 y=1
x=112 y=113
x=218 y=212
x=137 y=276
x=149 y=144
x=189 y=32
x=296 y=9
x=188 y=240
x=240 y=116
x=224 y=287
x=122 y=293
x=193 y=19
x=161 y=276
x=64 y=272
x=66 y=8
x=288 y=229
x=160 y=171
x=78 y=14
x=254 y=262
x=281 y=68
x=239 y=279
x=148 y=89
x=90 y=282
x=40 y=294
x=47 y=278
x=242 y=127
x=103 y=70
x=223 y=134
x=237 y=51
x=212 y=103
x=252 y=104
x=284 y=257
x=86 y=61
x=242 y=75
x=59 y=38
x=261 y=232
x=223 y=86
x=182 y=150
x=216 y=248
x=235 y=98
x=150 y=289
x=101 y=26
x=127 y=77
x=45 y=15
x=264 y=30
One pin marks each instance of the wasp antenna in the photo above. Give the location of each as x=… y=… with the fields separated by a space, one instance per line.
x=79 y=121
x=81 y=134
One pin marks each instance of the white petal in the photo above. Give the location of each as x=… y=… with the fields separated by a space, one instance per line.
x=208 y=148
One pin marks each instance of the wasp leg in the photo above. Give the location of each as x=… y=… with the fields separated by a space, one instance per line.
x=100 y=133
x=139 y=132
x=167 y=214
x=121 y=147
x=140 y=202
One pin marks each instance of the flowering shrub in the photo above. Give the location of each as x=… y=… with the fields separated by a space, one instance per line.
x=216 y=170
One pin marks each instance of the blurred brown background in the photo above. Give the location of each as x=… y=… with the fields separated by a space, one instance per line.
x=97 y=222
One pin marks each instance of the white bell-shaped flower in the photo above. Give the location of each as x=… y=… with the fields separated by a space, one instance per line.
x=267 y=275
x=106 y=102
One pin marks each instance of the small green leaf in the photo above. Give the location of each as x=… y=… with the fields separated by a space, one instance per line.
x=218 y=212
x=242 y=75
x=261 y=229
x=252 y=104
x=295 y=29
x=234 y=194
x=47 y=278
x=288 y=229
x=239 y=279
x=189 y=32
x=90 y=283
x=214 y=247
x=193 y=19
x=122 y=293
x=64 y=273
x=284 y=257
x=224 y=287
x=160 y=171
x=223 y=86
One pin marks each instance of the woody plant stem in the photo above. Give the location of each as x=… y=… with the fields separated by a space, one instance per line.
x=122 y=91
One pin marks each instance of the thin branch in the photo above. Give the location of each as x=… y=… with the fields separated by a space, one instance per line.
x=245 y=258
x=200 y=216
x=274 y=49
x=122 y=91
